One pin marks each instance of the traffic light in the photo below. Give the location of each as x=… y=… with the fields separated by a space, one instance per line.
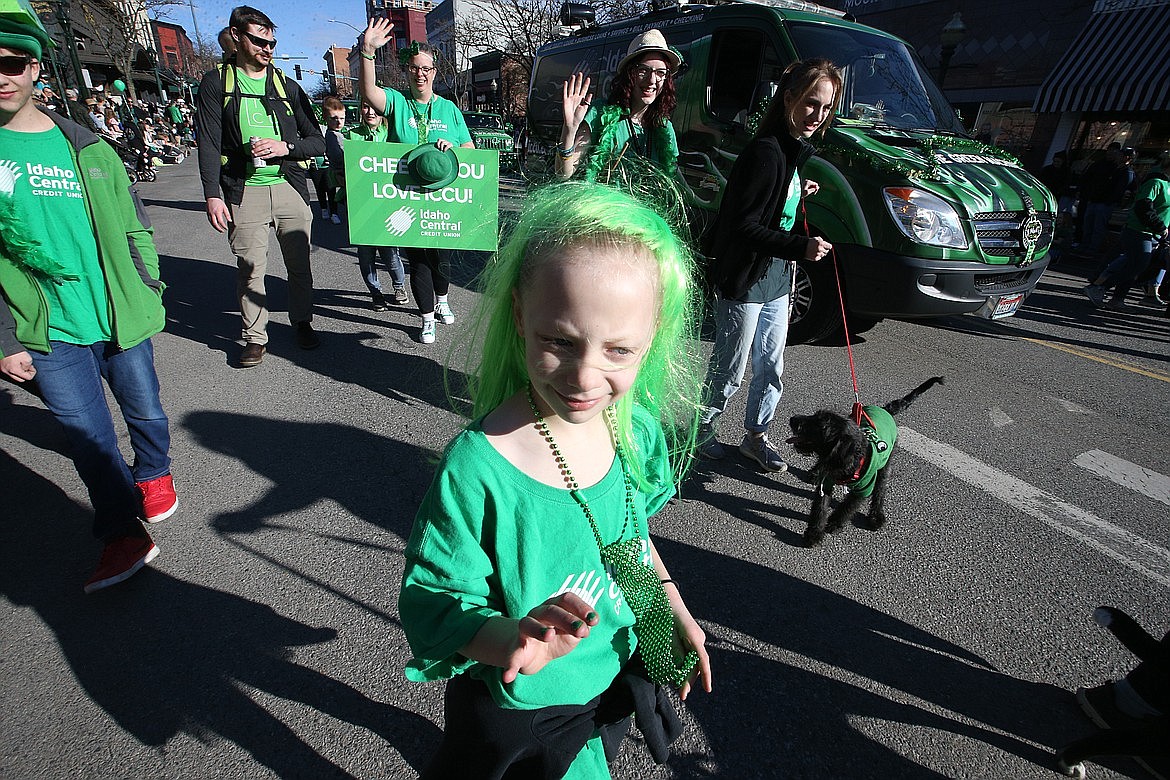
x=297 y=71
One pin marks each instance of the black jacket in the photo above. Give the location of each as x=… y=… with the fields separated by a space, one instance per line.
x=218 y=128
x=744 y=238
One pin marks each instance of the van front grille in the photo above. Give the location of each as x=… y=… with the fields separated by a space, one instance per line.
x=1001 y=233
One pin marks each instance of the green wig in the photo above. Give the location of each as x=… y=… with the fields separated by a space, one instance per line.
x=579 y=213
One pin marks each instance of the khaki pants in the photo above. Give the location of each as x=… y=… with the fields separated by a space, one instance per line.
x=280 y=207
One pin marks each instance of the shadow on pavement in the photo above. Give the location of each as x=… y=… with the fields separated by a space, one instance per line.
x=1056 y=303
x=377 y=479
x=816 y=726
x=179 y=205
x=201 y=307
x=164 y=657
x=33 y=424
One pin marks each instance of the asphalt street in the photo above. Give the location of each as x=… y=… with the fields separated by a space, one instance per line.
x=264 y=640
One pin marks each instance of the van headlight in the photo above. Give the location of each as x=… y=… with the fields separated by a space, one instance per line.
x=924 y=217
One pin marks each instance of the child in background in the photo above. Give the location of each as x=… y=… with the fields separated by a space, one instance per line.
x=530 y=576
x=373 y=128
x=334 y=111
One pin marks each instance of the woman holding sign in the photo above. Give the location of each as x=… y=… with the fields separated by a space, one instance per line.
x=422 y=118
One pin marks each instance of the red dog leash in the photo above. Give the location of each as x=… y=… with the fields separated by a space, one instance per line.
x=858 y=412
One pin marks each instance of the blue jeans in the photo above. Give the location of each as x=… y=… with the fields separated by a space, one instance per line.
x=1137 y=248
x=368 y=265
x=1097 y=224
x=743 y=330
x=69 y=380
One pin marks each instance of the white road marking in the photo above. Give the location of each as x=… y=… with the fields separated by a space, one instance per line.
x=1069 y=406
x=1128 y=549
x=1130 y=475
x=999 y=417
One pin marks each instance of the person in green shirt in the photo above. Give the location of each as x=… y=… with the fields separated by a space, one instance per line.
x=257 y=131
x=530 y=574
x=80 y=299
x=636 y=123
x=421 y=118
x=373 y=128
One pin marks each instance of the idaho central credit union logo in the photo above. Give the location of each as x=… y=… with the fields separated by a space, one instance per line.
x=400 y=221
x=9 y=173
x=46 y=181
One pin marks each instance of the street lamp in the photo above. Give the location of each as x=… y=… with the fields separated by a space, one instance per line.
x=360 y=33
x=952 y=35
x=347 y=24
x=150 y=52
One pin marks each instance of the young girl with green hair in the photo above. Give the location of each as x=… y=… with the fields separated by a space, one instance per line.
x=530 y=577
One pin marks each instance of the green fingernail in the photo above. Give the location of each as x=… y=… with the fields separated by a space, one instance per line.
x=591 y=617
x=577 y=624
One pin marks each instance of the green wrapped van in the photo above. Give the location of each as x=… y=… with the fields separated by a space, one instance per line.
x=926 y=221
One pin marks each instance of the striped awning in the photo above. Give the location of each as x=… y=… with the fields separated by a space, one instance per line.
x=1119 y=62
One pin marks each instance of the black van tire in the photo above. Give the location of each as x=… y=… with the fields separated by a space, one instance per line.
x=816 y=312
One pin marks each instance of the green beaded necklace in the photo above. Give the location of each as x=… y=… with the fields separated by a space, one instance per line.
x=423 y=125
x=639 y=583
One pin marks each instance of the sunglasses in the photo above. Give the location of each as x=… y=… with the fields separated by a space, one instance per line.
x=261 y=43
x=14 y=64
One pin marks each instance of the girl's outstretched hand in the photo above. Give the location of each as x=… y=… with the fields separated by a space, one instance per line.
x=576 y=99
x=689 y=635
x=548 y=631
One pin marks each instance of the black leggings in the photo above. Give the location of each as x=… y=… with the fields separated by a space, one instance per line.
x=429 y=275
x=485 y=740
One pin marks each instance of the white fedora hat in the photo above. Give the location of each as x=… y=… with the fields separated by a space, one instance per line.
x=651 y=42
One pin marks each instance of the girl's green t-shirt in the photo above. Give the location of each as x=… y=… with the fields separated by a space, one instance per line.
x=442 y=117
x=489 y=540
x=50 y=207
x=256 y=121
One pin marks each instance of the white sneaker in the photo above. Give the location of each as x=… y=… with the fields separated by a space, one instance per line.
x=336 y=219
x=427 y=334
x=444 y=313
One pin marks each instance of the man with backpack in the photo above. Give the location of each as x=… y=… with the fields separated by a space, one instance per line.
x=257 y=131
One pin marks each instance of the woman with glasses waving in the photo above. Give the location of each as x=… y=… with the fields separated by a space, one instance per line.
x=636 y=123
x=422 y=118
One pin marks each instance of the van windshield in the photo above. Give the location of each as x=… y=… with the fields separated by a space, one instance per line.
x=885 y=84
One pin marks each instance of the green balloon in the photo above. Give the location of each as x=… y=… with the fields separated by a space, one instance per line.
x=120 y=85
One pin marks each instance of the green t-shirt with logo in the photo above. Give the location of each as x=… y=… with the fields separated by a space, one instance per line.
x=50 y=207
x=489 y=540
x=256 y=121
x=443 y=119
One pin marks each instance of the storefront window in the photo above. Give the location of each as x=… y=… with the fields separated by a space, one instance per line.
x=1009 y=128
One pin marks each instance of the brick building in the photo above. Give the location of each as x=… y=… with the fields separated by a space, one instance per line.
x=338 y=75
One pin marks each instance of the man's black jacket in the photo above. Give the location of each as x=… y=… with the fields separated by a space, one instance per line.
x=223 y=155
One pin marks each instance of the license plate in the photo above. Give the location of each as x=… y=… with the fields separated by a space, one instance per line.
x=1007 y=306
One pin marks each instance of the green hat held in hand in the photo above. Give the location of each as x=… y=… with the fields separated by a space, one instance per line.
x=430 y=168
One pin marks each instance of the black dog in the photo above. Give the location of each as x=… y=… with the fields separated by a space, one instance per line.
x=851 y=455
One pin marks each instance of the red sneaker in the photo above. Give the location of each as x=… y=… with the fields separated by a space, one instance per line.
x=121 y=559
x=158 y=498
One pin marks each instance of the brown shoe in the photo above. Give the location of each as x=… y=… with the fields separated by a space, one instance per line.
x=252 y=355
x=306 y=337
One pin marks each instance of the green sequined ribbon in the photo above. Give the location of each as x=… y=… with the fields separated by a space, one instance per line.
x=653 y=619
x=640 y=585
